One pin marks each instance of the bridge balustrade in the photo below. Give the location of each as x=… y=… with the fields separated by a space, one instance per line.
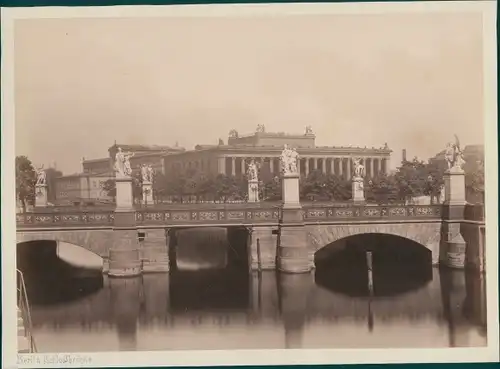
x=227 y=214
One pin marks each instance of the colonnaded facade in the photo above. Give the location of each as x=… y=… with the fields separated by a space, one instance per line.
x=231 y=158
x=266 y=147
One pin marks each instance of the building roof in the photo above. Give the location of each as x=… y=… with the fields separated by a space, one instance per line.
x=145 y=148
x=88 y=174
x=337 y=150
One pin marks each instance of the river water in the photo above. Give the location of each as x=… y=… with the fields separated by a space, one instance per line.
x=226 y=307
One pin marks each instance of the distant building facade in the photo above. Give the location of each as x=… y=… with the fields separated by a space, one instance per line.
x=265 y=148
x=143 y=154
x=87 y=187
x=82 y=188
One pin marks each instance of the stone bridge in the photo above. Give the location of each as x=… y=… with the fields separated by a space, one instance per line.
x=153 y=228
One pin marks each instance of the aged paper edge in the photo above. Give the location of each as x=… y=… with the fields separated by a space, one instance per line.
x=247 y=357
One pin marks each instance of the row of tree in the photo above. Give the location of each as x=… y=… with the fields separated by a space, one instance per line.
x=412 y=179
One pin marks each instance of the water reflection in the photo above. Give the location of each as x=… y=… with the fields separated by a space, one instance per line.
x=280 y=311
x=228 y=308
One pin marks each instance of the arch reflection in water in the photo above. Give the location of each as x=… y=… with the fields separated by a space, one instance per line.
x=282 y=311
x=227 y=308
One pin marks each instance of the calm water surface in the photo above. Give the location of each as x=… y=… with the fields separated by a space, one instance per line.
x=225 y=307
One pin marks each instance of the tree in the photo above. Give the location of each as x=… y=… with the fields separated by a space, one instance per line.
x=474 y=180
x=271 y=189
x=382 y=189
x=25 y=181
x=412 y=179
x=109 y=187
x=320 y=186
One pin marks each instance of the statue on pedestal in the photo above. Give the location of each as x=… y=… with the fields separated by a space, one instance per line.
x=253 y=182
x=122 y=163
x=454 y=155
x=288 y=159
x=41 y=177
x=261 y=128
x=359 y=169
x=309 y=130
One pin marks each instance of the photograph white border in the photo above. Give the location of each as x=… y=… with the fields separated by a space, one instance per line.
x=246 y=357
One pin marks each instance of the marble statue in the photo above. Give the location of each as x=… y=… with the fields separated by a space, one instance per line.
x=359 y=169
x=122 y=163
x=261 y=128
x=309 y=130
x=150 y=173
x=233 y=133
x=144 y=173
x=454 y=154
x=41 y=176
x=252 y=171
x=288 y=159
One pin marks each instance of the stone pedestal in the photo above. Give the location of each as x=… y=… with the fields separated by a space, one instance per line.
x=452 y=241
x=293 y=256
x=41 y=199
x=454 y=186
x=155 y=251
x=290 y=191
x=147 y=193
x=253 y=191
x=124 y=195
x=358 y=191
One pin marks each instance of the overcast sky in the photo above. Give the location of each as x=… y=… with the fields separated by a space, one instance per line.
x=409 y=80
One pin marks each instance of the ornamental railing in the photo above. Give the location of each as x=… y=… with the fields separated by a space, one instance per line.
x=372 y=212
x=227 y=214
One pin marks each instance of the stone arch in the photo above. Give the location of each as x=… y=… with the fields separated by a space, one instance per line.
x=95 y=241
x=425 y=234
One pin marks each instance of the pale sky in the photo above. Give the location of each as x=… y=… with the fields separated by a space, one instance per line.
x=409 y=80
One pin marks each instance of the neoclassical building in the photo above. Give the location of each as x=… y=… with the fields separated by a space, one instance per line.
x=265 y=147
x=143 y=154
x=87 y=186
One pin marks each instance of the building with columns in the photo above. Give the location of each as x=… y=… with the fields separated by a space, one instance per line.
x=266 y=147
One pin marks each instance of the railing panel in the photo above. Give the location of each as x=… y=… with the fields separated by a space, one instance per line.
x=64 y=219
x=368 y=212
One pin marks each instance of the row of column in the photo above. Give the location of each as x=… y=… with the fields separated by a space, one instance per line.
x=342 y=166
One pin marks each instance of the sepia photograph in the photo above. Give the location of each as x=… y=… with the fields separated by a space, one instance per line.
x=249 y=184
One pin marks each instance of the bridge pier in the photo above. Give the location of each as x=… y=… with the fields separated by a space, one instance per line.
x=293 y=254
x=452 y=243
x=262 y=245
x=124 y=255
x=155 y=250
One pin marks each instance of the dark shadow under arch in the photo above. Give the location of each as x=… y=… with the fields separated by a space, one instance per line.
x=221 y=285
x=399 y=265
x=51 y=280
